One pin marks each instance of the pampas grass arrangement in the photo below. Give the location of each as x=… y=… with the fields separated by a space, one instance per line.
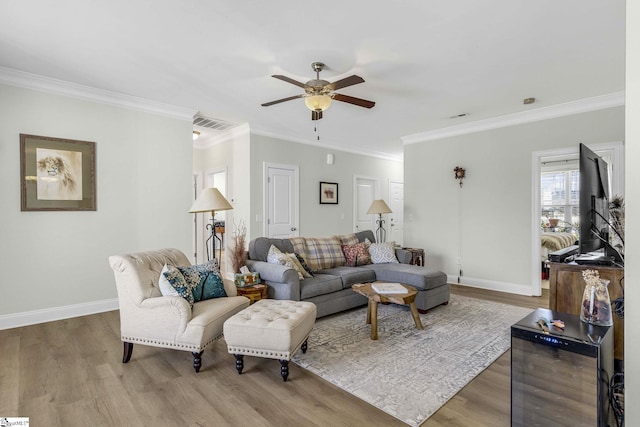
x=238 y=252
x=616 y=211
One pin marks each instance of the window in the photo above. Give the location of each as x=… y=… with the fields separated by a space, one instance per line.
x=560 y=195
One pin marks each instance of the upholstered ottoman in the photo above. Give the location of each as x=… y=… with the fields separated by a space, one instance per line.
x=270 y=328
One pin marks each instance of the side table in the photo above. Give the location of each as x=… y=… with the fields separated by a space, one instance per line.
x=417 y=256
x=253 y=292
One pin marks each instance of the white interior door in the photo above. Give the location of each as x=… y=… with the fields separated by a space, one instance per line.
x=198 y=226
x=281 y=196
x=366 y=190
x=396 y=203
x=217 y=179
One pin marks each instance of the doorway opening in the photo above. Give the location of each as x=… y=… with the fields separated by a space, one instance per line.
x=555 y=178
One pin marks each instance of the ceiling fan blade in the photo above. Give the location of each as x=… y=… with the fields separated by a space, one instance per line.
x=289 y=80
x=352 y=100
x=347 y=81
x=266 y=104
x=316 y=115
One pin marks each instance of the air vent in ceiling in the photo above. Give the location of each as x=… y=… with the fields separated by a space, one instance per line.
x=216 y=124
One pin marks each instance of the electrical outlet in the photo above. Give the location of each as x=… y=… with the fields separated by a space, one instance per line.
x=459 y=262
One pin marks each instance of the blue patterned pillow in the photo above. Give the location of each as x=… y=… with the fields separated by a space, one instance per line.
x=177 y=280
x=196 y=282
x=205 y=280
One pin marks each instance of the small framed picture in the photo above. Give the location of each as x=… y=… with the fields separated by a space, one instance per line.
x=328 y=193
x=57 y=174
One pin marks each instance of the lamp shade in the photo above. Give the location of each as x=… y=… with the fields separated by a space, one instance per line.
x=210 y=199
x=379 y=207
x=317 y=102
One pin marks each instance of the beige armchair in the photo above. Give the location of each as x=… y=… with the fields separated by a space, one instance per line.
x=147 y=317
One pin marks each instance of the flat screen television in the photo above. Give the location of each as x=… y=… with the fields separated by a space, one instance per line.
x=594 y=203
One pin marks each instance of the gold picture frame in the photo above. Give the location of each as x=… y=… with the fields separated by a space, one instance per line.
x=57 y=174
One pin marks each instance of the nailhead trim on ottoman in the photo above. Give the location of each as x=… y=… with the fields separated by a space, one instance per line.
x=270 y=328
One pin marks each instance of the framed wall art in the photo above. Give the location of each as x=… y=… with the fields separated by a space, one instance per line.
x=57 y=174
x=328 y=193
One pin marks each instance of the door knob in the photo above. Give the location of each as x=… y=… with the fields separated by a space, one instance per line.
x=293 y=229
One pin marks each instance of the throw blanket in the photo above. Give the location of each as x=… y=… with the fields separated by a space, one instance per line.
x=556 y=241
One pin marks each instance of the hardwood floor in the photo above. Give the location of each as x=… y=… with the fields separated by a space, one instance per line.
x=69 y=373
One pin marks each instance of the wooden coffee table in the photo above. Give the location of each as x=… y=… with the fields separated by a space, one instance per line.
x=375 y=298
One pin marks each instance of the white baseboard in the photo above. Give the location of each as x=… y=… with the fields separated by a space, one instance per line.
x=26 y=318
x=511 y=288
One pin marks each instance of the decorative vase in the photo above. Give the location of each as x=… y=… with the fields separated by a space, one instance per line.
x=596 y=304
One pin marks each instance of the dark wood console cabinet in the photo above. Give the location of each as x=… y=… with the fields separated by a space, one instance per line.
x=566 y=287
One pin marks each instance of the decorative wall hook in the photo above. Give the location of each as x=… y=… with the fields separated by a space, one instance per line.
x=458 y=173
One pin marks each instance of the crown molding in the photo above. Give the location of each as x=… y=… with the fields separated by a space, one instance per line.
x=271 y=134
x=559 y=110
x=13 y=77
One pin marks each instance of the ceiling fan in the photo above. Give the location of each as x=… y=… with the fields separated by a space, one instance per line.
x=319 y=93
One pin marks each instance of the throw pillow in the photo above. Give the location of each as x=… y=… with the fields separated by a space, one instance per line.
x=166 y=289
x=321 y=253
x=178 y=282
x=304 y=265
x=382 y=253
x=348 y=239
x=205 y=280
x=356 y=254
x=298 y=265
x=275 y=256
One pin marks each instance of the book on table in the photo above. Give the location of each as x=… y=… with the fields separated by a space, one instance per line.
x=389 y=288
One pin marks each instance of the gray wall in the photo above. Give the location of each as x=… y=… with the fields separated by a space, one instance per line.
x=316 y=219
x=143 y=165
x=632 y=200
x=488 y=222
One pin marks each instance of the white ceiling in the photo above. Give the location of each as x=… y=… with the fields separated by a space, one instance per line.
x=422 y=60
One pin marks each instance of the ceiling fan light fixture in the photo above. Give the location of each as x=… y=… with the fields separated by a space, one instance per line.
x=317 y=102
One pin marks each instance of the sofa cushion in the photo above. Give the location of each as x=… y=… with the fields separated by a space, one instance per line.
x=413 y=275
x=259 y=247
x=320 y=284
x=319 y=252
x=356 y=255
x=382 y=253
x=351 y=275
x=365 y=235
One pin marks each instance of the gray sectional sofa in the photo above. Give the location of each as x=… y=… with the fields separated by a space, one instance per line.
x=330 y=289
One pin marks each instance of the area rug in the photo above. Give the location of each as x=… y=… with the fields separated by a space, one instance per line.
x=410 y=373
